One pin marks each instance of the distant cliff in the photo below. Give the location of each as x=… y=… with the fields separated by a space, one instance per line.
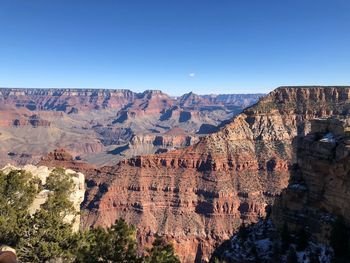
x=103 y=126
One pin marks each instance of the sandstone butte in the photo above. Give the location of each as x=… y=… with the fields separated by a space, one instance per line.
x=199 y=195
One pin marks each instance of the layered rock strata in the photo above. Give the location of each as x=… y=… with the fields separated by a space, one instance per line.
x=104 y=126
x=199 y=195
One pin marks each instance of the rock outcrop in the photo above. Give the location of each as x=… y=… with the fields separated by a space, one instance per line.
x=42 y=173
x=199 y=195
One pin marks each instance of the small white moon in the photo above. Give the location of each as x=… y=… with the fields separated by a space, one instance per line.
x=191 y=75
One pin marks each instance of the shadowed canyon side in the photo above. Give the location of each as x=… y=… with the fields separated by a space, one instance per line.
x=104 y=126
x=305 y=217
x=318 y=189
x=198 y=196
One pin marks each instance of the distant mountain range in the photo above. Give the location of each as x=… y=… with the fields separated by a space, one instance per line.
x=103 y=126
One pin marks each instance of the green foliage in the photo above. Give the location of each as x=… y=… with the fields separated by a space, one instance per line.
x=216 y=257
x=115 y=244
x=17 y=192
x=61 y=186
x=219 y=261
x=161 y=252
x=45 y=235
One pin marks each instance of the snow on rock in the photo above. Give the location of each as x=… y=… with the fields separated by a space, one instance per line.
x=261 y=243
x=329 y=137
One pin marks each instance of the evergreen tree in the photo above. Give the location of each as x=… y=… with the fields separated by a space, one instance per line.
x=255 y=253
x=243 y=233
x=276 y=252
x=115 y=244
x=161 y=252
x=314 y=258
x=17 y=192
x=45 y=234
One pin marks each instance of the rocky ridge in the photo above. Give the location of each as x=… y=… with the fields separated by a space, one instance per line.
x=105 y=126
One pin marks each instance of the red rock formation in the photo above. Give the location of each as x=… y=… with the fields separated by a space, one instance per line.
x=199 y=195
x=62 y=158
x=22 y=118
x=103 y=126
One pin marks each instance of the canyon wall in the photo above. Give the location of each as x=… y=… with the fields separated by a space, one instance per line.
x=104 y=126
x=319 y=188
x=199 y=195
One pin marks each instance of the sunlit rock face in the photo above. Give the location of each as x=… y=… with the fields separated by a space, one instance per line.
x=103 y=126
x=199 y=195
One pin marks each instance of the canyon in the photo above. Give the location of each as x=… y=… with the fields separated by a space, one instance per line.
x=104 y=126
x=198 y=196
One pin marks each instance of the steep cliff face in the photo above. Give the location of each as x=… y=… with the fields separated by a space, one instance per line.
x=305 y=213
x=66 y=100
x=199 y=195
x=319 y=189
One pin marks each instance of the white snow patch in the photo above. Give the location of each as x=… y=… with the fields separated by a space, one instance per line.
x=329 y=137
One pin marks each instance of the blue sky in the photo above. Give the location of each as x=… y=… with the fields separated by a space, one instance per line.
x=205 y=46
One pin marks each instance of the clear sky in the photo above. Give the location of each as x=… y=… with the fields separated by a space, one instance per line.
x=205 y=46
